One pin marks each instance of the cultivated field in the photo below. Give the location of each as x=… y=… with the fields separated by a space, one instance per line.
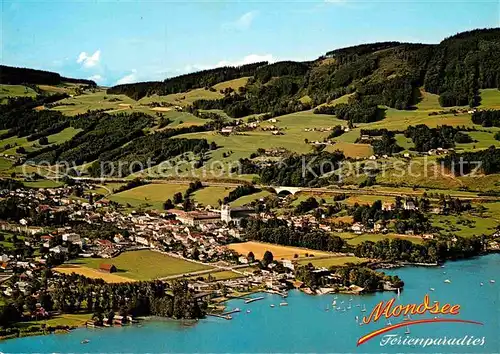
x=279 y=252
x=143 y=265
x=93 y=273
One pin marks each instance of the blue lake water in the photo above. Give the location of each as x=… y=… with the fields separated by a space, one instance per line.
x=305 y=325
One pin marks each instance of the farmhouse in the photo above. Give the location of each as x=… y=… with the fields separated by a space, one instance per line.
x=108 y=268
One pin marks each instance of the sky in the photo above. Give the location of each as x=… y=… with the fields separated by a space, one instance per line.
x=115 y=42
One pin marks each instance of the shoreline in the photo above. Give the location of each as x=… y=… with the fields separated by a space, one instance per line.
x=69 y=329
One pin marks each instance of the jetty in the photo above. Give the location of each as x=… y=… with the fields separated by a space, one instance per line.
x=250 y=300
x=231 y=312
x=226 y=317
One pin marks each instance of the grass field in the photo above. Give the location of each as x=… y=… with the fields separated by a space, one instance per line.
x=368 y=199
x=279 y=252
x=10 y=145
x=67 y=319
x=249 y=198
x=469 y=224
x=143 y=265
x=211 y=195
x=93 y=273
x=490 y=98
x=153 y=195
x=43 y=183
x=15 y=91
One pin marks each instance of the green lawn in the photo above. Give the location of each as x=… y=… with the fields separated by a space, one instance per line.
x=153 y=195
x=144 y=265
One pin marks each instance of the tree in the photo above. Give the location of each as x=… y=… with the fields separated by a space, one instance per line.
x=251 y=257
x=168 y=204
x=177 y=198
x=268 y=258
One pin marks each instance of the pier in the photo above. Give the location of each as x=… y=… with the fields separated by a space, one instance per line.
x=250 y=300
x=226 y=317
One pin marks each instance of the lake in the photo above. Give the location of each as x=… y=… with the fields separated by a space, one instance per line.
x=305 y=325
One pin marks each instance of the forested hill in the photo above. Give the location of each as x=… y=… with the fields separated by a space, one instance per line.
x=183 y=83
x=386 y=73
x=19 y=76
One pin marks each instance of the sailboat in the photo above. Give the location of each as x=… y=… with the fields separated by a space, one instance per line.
x=349 y=307
x=492 y=281
x=407 y=330
x=399 y=292
x=363 y=309
x=431 y=289
x=447 y=281
x=85 y=341
x=334 y=303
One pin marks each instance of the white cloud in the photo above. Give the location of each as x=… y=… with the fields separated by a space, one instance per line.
x=251 y=58
x=96 y=78
x=242 y=23
x=89 y=61
x=127 y=79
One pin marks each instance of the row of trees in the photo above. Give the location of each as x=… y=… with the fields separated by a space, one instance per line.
x=278 y=232
x=431 y=251
x=183 y=83
x=19 y=76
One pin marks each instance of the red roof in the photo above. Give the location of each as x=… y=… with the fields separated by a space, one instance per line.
x=105 y=266
x=106 y=243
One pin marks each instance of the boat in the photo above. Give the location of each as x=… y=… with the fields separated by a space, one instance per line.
x=349 y=307
x=85 y=341
x=248 y=311
x=335 y=297
x=334 y=303
x=283 y=303
x=447 y=281
x=481 y=284
x=363 y=309
x=431 y=289
x=492 y=281
x=407 y=330
x=389 y=323
x=327 y=309
x=272 y=305
x=399 y=292
x=356 y=318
